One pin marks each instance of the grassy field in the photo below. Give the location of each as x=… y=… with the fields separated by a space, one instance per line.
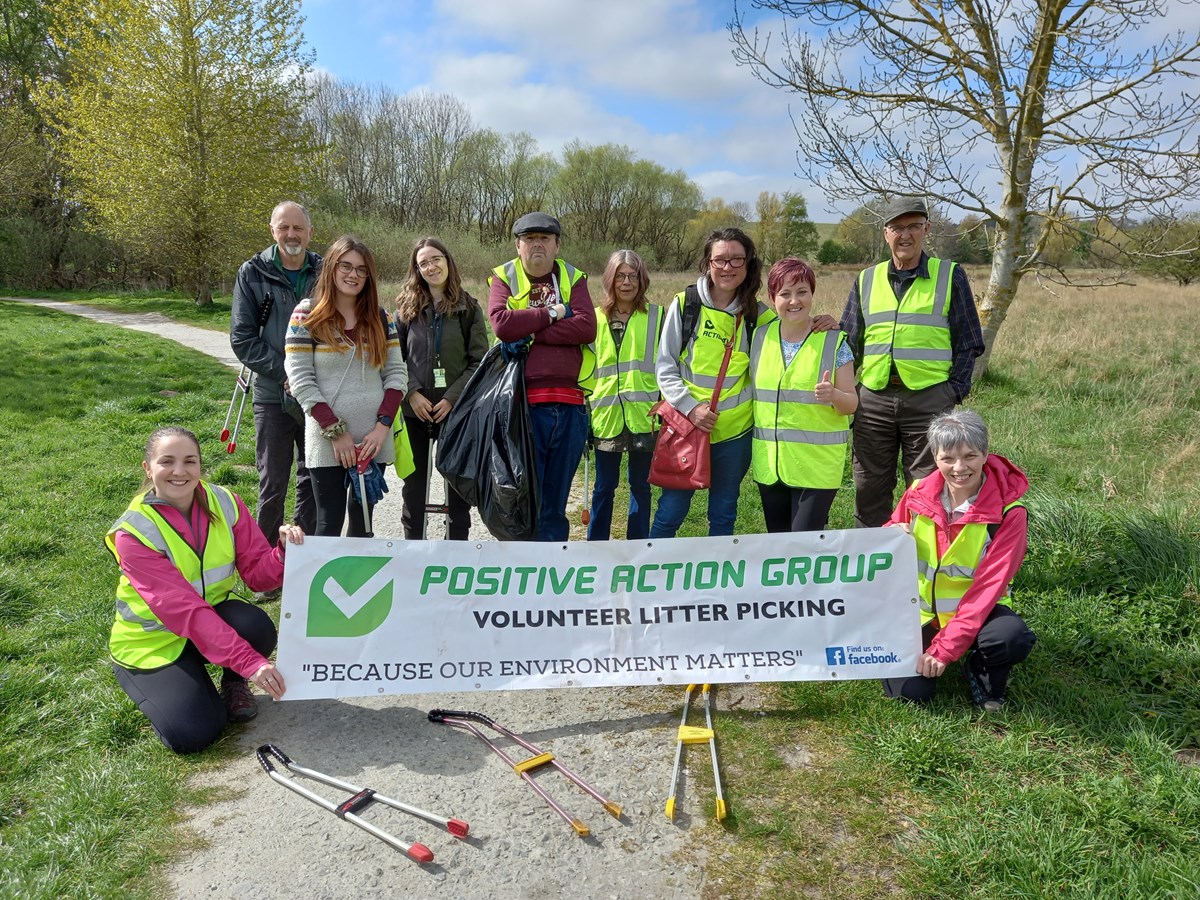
x=1080 y=790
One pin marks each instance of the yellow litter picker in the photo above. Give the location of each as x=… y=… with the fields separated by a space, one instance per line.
x=693 y=734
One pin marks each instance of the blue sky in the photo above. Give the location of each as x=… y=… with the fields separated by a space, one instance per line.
x=655 y=75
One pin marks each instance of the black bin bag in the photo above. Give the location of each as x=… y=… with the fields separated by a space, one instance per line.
x=485 y=450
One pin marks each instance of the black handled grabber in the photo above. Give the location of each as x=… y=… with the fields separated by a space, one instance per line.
x=244 y=379
x=361 y=798
x=466 y=721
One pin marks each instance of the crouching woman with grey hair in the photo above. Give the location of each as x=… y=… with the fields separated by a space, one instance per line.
x=971 y=528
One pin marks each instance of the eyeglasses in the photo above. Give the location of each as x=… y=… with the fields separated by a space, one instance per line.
x=631 y=277
x=361 y=271
x=914 y=228
x=432 y=263
x=735 y=262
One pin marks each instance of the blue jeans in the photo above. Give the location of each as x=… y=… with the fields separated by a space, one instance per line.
x=608 y=476
x=559 y=432
x=730 y=463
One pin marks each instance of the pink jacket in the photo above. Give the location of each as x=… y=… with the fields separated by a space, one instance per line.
x=1004 y=483
x=176 y=602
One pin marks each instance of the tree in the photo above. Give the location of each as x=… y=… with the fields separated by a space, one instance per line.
x=769 y=231
x=800 y=234
x=179 y=123
x=1074 y=107
x=1170 y=249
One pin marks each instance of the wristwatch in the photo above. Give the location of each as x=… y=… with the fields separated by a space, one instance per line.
x=553 y=310
x=386 y=421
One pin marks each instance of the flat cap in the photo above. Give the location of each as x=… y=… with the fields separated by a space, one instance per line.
x=537 y=222
x=903 y=206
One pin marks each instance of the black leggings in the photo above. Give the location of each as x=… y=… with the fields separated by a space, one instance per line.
x=334 y=498
x=795 y=509
x=179 y=698
x=1002 y=642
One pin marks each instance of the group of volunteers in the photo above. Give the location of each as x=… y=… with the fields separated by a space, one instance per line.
x=778 y=389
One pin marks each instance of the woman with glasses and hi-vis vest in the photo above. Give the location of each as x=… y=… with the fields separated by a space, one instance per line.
x=626 y=346
x=181 y=545
x=969 y=522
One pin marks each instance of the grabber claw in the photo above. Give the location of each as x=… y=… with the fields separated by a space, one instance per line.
x=694 y=734
x=359 y=800
x=467 y=721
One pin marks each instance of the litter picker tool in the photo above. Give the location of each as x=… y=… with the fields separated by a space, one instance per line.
x=437 y=509
x=585 y=515
x=244 y=379
x=693 y=734
x=360 y=468
x=466 y=721
x=361 y=798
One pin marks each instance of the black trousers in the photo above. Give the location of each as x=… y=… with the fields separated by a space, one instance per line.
x=179 y=698
x=414 y=493
x=795 y=509
x=334 y=499
x=1002 y=642
x=888 y=422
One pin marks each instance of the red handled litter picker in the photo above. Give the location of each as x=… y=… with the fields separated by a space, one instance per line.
x=362 y=798
x=244 y=380
x=466 y=720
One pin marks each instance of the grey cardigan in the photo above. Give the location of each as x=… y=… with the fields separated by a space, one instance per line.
x=341 y=376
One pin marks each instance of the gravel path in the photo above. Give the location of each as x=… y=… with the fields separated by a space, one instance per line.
x=261 y=840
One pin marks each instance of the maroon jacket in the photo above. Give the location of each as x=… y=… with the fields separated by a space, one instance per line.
x=555 y=356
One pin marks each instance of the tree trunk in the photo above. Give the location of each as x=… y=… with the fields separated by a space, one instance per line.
x=1002 y=288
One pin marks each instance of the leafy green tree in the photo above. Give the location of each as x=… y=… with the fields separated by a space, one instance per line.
x=769 y=231
x=831 y=253
x=800 y=233
x=179 y=122
x=1170 y=249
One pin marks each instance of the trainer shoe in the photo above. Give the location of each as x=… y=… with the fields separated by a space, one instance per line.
x=240 y=704
x=980 y=685
x=269 y=596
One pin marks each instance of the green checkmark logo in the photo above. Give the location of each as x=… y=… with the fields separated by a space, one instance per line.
x=350 y=596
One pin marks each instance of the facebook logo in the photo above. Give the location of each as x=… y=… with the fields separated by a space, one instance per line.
x=835 y=656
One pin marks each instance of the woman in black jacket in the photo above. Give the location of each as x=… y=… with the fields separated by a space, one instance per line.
x=444 y=338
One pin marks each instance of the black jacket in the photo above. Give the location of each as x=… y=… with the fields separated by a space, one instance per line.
x=257 y=278
x=464 y=341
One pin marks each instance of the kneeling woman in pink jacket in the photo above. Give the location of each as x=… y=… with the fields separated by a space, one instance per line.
x=970 y=527
x=181 y=545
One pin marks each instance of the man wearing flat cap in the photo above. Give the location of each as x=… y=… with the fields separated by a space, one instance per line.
x=912 y=324
x=541 y=302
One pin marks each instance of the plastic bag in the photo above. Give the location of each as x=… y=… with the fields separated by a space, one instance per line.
x=486 y=448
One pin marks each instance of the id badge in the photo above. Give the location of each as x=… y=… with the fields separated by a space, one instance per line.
x=439 y=378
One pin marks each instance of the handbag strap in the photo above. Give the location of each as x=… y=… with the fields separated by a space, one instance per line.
x=737 y=323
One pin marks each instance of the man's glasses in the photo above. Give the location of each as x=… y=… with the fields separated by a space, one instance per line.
x=361 y=271
x=914 y=228
x=734 y=262
x=432 y=263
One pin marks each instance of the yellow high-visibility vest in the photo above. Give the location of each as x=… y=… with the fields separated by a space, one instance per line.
x=625 y=384
x=913 y=333
x=700 y=363
x=797 y=440
x=139 y=640
x=944 y=582
x=512 y=273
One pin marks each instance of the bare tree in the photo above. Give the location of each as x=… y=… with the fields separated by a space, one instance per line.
x=1034 y=115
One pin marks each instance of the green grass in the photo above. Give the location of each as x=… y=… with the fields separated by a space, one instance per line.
x=1075 y=791
x=88 y=795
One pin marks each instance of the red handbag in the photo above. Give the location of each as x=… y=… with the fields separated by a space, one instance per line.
x=681 y=459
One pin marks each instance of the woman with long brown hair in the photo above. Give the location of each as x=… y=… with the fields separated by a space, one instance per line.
x=627 y=333
x=441 y=329
x=346 y=369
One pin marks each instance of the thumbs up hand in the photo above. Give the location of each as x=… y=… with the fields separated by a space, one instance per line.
x=824 y=388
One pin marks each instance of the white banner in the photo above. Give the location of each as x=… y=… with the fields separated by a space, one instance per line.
x=362 y=617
